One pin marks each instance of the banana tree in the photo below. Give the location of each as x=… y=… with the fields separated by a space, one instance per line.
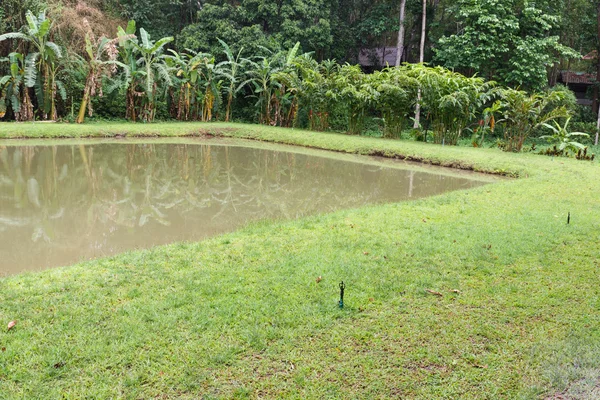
x=98 y=68
x=230 y=70
x=42 y=62
x=185 y=68
x=269 y=88
x=563 y=138
x=154 y=68
x=133 y=77
x=13 y=90
x=260 y=75
x=210 y=86
x=146 y=67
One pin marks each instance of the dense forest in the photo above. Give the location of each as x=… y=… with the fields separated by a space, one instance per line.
x=188 y=59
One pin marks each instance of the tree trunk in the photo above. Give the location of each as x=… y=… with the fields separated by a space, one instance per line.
x=421 y=60
x=83 y=106
x=229 y=101
x=595 y=103
x=86 y=97
x=400 y=44
x=597 y=130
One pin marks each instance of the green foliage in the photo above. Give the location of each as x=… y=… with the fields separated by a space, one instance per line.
x=394 y=94
x=42 y=61
x=159 y=17
x=282 y=86
x=251 y=24
x=355 y=94
x=501 y=40
x=450 y=100
x=566 y=98
x=523 y=113
x=563 y=138
x=145 y=69
x=13 y=13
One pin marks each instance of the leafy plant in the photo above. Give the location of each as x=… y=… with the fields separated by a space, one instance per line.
x=230 y=70
x=41 y=65
x=145 y=67
x=97 y=68
x=523 y=113
x=562 y=138
x=13 y=90
x=487 y=124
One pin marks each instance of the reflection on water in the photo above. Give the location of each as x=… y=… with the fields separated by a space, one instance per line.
x=62 y=204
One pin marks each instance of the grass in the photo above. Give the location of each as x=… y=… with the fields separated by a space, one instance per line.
x=241 y=315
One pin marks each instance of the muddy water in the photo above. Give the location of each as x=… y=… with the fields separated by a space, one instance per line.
x=60 y=204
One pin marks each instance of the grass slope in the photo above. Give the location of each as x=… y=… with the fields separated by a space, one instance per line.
x=241 y=316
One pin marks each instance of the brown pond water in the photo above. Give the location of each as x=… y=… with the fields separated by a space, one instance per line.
x=63 y=203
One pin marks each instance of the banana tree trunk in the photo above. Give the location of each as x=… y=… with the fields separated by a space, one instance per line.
x=26 y=113
x=84 y=103
x=82 y=107
x=228 y=111
x=53 y=114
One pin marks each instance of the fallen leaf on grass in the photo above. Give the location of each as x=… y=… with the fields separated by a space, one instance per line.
x=434 y=292
x=11 y=324
x=366 y=253
x=319 y=279
x=371 y=299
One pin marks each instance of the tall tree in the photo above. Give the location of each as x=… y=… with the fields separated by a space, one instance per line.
x=400 y=45
x=509 y=41
x=421 y=60
x=597 y=74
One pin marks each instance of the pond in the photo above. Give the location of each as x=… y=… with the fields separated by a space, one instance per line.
x=64 y=202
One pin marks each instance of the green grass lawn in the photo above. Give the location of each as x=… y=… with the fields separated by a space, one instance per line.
x=241 y=315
